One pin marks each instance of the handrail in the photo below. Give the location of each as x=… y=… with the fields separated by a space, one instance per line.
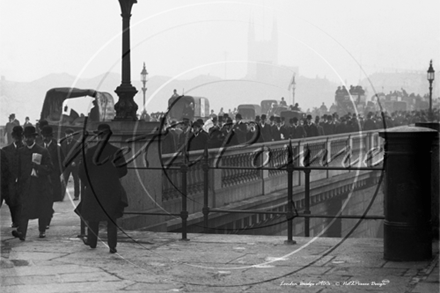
x=184 y=166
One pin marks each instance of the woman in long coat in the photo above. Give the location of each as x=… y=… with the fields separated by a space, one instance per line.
x=104 y=198
x=34 y=185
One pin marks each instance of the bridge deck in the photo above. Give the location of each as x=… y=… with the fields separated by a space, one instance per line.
x=160 y=262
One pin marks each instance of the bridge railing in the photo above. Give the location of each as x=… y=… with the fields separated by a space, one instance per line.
x=212 y=178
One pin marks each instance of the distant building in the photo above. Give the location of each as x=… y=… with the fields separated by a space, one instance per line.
x=263 y=59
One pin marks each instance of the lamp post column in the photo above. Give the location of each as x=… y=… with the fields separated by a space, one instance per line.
x=126 y=107
x=431 y=116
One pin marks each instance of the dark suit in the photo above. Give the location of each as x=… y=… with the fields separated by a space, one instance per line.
x=35 y=195
x=276 y=132
x=198 y=141
x=266 y=132
x=13 y=200
x=101 y=171
x=311 y=130
x=240 y=130
x=329 y=128
x=297 y=132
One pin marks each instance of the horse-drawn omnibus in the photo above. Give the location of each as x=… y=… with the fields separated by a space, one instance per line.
x=190 y=107
x=68 y=108
x=249 y=111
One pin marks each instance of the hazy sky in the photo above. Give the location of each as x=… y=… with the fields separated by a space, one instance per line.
x=186 y=38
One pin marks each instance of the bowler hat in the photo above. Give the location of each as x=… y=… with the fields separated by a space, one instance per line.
x=47 y=131
x=228 y=121
x=42 y=123
x=103 y=127
x=309 y=117
x=263 y=117
x=30 y=131
x=238 y=116
x=257 y=118
x=17 y=131
x=197 y=124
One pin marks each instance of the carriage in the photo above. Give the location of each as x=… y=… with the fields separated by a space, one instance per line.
x=190 y=107
x=249 y=111
x=68 y=108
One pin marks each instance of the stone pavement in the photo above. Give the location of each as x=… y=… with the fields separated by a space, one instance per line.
x=161 y=262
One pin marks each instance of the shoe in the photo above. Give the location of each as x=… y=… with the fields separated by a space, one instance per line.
x=18 y=235
x=42 y=235
x=14 y=225
x=76 y=198
x=113 y=250
x=86 y=242
x=47 y=227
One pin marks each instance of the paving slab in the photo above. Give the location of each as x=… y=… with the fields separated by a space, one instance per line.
x=161 y=262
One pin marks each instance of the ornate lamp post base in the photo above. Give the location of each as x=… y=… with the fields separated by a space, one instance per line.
x=126 y=108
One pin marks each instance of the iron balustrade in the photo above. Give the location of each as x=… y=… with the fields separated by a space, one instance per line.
x=237 y=167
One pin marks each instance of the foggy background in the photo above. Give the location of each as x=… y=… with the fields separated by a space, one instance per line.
x=203 y=48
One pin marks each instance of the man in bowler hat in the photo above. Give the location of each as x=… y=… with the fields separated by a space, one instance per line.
x=35 y=166
x=104 y=198
x=12 y=155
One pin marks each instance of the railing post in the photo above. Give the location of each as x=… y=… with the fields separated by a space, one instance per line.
x=205 y=210
x=184 y=212
x=307 y=193
x=289 y=214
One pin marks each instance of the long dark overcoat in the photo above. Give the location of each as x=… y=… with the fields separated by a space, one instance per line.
x=12 y=155
x=101 y=170
x=57 y=156
x=35 y=192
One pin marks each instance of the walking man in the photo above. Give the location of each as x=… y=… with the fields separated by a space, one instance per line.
x=12 y=155
x=104 y=198
x=35 y=166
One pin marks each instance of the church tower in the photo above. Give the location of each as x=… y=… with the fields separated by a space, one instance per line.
x=262 y=54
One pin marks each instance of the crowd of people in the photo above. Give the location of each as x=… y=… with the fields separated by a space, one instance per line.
x=35 y=169
x=224 y=131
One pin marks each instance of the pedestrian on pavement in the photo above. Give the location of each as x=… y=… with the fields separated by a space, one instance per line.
x=70 y=148
x=35 y=166
x=104 y=198
x=12 y=155
x=4 y=195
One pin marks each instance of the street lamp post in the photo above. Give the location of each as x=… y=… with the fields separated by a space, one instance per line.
x=430 y=77
x=126 y=108
x=144 y=79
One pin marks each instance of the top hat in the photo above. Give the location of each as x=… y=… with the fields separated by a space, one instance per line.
x=17 y=131
x=47 y=131
x=103 y=127
x=30 y=131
